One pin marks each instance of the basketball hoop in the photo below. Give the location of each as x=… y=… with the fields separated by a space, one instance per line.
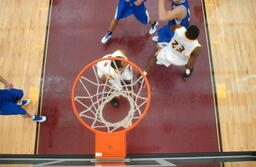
x=90 y=102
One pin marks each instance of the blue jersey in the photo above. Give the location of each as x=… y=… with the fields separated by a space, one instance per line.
x=164 y=33
x=126 y=8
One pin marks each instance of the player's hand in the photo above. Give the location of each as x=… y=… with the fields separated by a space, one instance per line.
x=138 y=2
x=8 y=85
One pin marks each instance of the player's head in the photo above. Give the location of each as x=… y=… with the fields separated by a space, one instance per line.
x=118 y=64
x=192 y=32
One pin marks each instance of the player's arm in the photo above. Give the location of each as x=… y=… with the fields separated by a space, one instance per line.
x=165 y=15
x=7 y=84
x=193 y=58
x=138 y=2
x=107 y=77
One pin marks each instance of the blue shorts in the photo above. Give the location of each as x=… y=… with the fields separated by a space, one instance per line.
x=164 y=33
x=125 y=9
x=8 y=100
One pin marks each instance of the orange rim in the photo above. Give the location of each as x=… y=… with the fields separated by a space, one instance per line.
x=90 y=65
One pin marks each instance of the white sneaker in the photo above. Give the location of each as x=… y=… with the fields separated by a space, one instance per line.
x=155 y=38
x=38 y=118
x=162 y=44
x=24 y=102
x=153 y=28
x=106 y=37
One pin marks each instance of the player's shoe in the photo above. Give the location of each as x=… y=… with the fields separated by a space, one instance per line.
x=153 y=28
x=162 y=44
x=187 y=73
x=24 y=102
x=114 y=102
x=155 y=38
x=106 y=37
x=37 y=118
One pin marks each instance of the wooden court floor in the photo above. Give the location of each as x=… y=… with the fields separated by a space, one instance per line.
x=231 y=27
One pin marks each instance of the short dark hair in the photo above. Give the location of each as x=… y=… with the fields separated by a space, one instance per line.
x=116 y=63
x=192 y=32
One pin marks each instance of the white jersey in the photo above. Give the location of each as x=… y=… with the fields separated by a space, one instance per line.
x=178 y=50
x=115 y=76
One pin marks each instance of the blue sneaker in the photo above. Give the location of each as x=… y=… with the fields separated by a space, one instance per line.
x=106 y=38
x=24 y=102
x=153 y=28
x=38 y=118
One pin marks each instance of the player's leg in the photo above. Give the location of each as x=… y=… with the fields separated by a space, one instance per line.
x=114 y=102
x=189 y=70
x=126 y=85
x=151 y=63
x=9 y=105
x=9 y=108
x=11 y=95
x=113 y=25
x=108 y=34
x=161 y=33
x=154 y=24
x=126 y=78
x=15 y=95
x=187 y=73
x=23 y=102
x=164 y=34
x=123 y=10
x=141 y=14
x=159 y=58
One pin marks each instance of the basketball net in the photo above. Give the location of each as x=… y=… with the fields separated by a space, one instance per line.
x=90 y=95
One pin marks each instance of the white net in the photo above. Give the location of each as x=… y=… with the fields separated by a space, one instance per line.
x=93 y=94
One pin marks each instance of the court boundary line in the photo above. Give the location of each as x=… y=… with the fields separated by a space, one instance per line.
x=39 y=111
x=213 y=81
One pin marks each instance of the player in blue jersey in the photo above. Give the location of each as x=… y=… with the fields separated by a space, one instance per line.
x=178 y=15
x=126 y=8
x=10 y=103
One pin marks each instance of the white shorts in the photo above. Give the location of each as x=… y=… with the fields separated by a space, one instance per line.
x=162 y=58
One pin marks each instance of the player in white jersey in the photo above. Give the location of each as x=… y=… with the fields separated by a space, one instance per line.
x=115 y=72
x=182 y=50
